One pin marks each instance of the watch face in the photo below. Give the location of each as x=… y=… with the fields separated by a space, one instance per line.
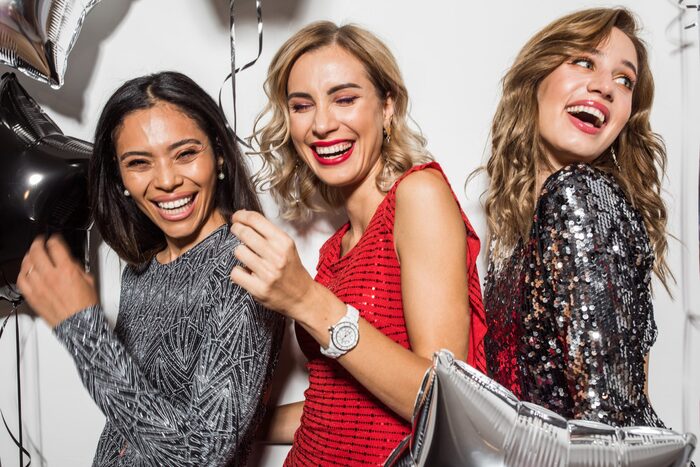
x=345 y=336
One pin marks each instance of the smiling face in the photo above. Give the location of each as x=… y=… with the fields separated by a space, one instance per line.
x=168 y=165
x=587 y=100
x=336 y=116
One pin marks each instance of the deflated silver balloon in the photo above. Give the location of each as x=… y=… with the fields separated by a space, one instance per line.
x=36 y=36
x=463 y=418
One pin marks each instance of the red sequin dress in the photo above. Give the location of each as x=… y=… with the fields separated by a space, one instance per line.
x=342 y=423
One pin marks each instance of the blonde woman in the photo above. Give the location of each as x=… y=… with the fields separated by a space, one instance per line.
x=396 y=283
x=576 y=220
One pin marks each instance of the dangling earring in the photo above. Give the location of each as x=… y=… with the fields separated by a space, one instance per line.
x=386 y=132
x=126 y=193
x=221 y=174
x=614 y=158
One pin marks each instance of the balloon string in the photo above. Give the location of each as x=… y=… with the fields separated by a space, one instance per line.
x=234 y=70
x=18 y=442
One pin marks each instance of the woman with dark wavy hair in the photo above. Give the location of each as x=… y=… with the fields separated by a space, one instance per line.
x=576 y=220
x=182 y=376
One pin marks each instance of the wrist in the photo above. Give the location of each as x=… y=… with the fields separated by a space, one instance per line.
x=317 y=311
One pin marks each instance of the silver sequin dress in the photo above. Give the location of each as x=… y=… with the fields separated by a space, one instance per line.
x=569 y=313
x=182 y=377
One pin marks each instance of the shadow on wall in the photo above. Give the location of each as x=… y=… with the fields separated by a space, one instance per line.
x=70 y=100
x=274 y=11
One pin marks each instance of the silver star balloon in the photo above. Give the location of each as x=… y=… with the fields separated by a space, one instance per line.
x=36 y=36
x=463 y=418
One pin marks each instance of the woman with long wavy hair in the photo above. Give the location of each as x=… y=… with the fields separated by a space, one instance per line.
x=394 y=284
x=576 y=220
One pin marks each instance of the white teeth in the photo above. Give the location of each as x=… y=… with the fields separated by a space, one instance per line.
x=589 y=110
x=178 y=203
x=336 y=148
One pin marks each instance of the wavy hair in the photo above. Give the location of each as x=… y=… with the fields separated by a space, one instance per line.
x=293 y=185
x=517 y=150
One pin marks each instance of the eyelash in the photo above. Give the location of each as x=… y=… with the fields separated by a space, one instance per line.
x=299 y=107
x=630 y=82
x=346 y=100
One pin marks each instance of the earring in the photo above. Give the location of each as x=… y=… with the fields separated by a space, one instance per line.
x=220 y=160
x=126 y=193
x=386 y=132
x=614 y=158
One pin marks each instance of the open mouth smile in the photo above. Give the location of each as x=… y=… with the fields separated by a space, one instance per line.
x=176 y=209
x=332 y=152
x=588 y=116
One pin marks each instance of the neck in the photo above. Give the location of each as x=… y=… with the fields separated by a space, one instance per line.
x=176 y=247
x=361 y=202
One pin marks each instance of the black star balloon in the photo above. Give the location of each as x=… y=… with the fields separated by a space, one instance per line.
x=36 y=36
x=463 y=418
x=43 y=181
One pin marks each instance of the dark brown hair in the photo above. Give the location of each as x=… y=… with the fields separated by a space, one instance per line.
x=121 y=223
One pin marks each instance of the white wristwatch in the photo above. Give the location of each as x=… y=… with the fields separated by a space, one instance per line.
x=344 y=334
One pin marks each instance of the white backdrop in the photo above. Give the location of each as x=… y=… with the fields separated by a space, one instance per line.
x=453 y=54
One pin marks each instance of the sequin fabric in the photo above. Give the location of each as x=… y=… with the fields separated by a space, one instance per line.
x=569 y=313
x=342 y=423
x=181 y=379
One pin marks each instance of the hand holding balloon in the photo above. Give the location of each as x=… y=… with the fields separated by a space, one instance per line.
x=273 y=272
x=53 y=283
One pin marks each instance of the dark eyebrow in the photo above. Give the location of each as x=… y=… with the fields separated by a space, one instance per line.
x=630 y=65
x=332 y=90
x=340 y=87
x=176 y=144
x=627 y=63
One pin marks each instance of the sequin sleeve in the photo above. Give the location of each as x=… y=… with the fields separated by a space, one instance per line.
x=595 y=261
x=232 y=365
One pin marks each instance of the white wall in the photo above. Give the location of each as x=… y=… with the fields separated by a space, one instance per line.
x=452 y=54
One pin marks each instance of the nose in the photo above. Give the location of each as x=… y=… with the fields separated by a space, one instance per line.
x=324 y=121
x=166 y=177
x=602 y=85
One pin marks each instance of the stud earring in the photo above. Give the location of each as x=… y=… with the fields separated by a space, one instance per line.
x=221 y=175
x=126 y=193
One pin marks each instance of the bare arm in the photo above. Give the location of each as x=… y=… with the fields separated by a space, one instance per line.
x=432 y=251
x=283 y=423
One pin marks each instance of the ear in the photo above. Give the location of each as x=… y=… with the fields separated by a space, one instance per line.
x=388 y=110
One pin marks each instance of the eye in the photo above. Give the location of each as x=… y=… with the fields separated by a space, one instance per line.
x=188 y=153
x=346 y=100
x=583 y=62
x=135 y=163
x=298 y=107
x=626 y=81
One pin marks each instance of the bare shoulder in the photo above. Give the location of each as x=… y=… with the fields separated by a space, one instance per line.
x=421 y=188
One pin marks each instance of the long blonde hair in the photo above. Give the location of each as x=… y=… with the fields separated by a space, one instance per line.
x=293 y=185
x=517 y=151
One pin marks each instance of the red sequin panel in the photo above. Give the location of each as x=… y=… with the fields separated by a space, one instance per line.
x=342 y=423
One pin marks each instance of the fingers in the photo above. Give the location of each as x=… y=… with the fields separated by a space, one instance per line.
x=257 y=222
x=58 y=250
x=251 y=260
x=251 y=238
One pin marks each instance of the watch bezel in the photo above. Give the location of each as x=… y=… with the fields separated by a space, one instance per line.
x=351 y=343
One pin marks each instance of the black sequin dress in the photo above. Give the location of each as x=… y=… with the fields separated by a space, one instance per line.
x=569 y=313
x=181 y=379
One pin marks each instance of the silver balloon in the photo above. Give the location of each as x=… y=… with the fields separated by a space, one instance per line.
x=36 y=36
x=463 y=418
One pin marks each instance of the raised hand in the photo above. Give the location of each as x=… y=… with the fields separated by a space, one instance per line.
x=53 y=283
x=273 y=273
